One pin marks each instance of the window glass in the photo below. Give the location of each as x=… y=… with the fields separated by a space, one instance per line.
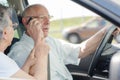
x=70 y=19
x=93 y=24
x=5 y=2
x=98 y=22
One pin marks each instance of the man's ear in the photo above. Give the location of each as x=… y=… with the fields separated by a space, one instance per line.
x=24 y=21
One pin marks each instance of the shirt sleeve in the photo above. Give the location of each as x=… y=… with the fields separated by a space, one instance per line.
x=19 y=54
x=69 y=53
x=8 y=67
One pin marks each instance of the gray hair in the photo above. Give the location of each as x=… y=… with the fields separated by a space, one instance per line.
x=4 y=13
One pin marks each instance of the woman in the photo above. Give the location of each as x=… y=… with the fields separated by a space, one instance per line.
x=33 y=69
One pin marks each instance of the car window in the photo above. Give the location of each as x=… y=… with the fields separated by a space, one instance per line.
x=93 y=24
x=4 y=2
x=98 y=23
x=69 y=18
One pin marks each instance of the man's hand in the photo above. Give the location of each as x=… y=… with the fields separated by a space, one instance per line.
x=41 y=50
x=116 y=32
x=35 y=29
x=29 y=62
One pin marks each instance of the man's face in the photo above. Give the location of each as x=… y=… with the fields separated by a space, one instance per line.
x=45 y=23
x=43 y=17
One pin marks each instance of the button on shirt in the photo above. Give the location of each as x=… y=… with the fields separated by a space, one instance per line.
x=60 y=54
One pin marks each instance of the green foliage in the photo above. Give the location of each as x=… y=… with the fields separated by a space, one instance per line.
x=63 y=23
x=16 y=34
x=57 y=26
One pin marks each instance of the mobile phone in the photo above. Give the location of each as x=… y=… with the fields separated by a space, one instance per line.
x=29 y=20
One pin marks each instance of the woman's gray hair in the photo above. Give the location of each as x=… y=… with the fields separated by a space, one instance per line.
x=4 y=13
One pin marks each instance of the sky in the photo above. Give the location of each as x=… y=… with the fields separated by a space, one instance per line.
x=63 y=8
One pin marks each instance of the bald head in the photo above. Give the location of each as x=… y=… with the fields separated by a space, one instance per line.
x=35 y=10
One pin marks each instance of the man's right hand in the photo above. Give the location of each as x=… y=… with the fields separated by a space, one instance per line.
x=41 y=50
x=35 y=29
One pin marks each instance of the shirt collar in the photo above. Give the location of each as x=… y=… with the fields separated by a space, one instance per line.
x=27 y=38
x=1 y=52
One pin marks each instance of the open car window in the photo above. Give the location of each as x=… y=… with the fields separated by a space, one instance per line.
x=4 y=2
x=13 y=15
x=69 y=18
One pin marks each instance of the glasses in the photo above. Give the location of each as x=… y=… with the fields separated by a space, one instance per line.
x=42 y=17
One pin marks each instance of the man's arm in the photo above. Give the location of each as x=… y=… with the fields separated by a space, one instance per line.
x=29 y=62
x=41 y=51
x=89 y=46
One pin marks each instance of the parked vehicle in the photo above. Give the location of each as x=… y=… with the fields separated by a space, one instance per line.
x=85 y=30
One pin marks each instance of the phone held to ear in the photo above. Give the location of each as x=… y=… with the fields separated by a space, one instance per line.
x=29 y=20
